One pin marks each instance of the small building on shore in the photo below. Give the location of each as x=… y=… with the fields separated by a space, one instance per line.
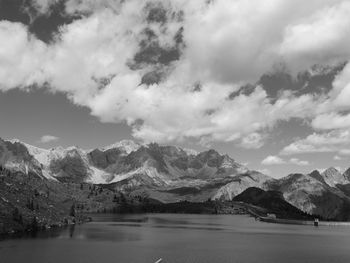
x=272 y=216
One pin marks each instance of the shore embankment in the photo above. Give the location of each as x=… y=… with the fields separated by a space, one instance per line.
x=301 y=222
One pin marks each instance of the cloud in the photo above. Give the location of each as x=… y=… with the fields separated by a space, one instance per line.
x=299 y=162
x=344 y=152
x=44 y=6
x=276 y=160
x=272 y=160
x=252 y=141
x=337 y=158
x=21 y=57
x=318 y=37
x=331 y=121
x=332 y=141
x=275 y=31
x=195 y=55
x=48 y=138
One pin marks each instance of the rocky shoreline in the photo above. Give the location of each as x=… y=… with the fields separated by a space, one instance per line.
x=33 y=229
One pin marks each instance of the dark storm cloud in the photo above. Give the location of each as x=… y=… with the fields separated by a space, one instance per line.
x=151 y=53
x=43 y=26
x=156 y=13
x=245 y=90
x=14 y=11
x=46 y=26
x=317 y=80
x=104 y=81
x=197 y=87
x=152 y=77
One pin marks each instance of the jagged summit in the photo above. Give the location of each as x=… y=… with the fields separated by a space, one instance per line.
x=128 y=145
x=164 y=172
x=331 y=170
x=333 y=177
x=346 y=174
x=317 y=175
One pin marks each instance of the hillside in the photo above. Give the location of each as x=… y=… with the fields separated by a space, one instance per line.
x=273 y=201
x=28 y=202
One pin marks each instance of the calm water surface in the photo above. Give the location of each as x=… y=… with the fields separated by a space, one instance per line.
x=180 y=238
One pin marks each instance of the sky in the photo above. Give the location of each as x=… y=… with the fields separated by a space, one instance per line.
x=267 y=82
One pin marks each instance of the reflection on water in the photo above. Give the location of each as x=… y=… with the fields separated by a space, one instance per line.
x=180 y=238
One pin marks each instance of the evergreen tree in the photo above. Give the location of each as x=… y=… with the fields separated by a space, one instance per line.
x=17 y=216
x=34 y=226
x=122 y=198
x=72 y=210
x=30 y=204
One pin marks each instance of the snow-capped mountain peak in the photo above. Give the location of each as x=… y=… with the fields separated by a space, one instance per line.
x=127 y=145
x=333 y=177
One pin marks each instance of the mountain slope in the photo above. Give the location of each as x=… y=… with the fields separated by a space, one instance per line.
x=332 y=177
x=242 y=182
x=310 y=193
x=273 y=201
x=16 y=157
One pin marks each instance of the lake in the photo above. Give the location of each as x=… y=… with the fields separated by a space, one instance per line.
x=180 y=238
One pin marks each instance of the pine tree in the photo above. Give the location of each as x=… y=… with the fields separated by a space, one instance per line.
x=122 y=198
x=17 y=216
x=30 y=204
x=72 y=210
x=34 y=225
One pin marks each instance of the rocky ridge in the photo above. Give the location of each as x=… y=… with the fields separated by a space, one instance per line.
x=171 y=174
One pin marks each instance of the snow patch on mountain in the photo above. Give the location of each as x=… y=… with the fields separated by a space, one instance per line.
x=333 y=177
x=41 y=155
x=98 y=176
x=127 y=145
x=48 y=175
x=189 y=151
x=145 y=170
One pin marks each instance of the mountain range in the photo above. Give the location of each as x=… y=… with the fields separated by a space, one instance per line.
x=171 y=174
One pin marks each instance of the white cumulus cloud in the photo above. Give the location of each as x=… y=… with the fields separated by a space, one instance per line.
x=296 y=161
x=333 y=141
x=226 y=45
x=48 y=138
x=272 y=160
x=276 y=160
